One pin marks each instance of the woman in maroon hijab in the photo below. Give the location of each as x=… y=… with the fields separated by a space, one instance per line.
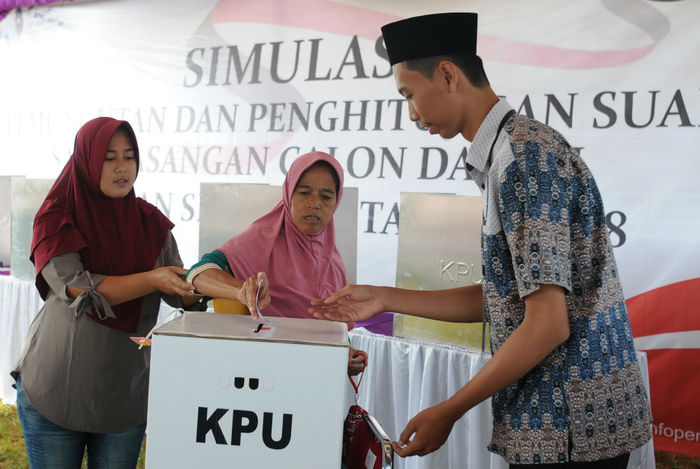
x=103 y=259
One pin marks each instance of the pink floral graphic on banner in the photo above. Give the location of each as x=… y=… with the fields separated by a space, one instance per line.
x=7 y=5
x=322 y=15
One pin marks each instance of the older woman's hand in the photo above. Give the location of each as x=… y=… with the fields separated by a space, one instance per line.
x=357 y=361
x=249 y=290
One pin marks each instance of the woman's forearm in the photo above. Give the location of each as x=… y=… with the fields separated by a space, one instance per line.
x=119 y=289
x=217 y=284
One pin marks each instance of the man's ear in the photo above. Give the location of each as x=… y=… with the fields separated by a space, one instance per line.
x=447 y=71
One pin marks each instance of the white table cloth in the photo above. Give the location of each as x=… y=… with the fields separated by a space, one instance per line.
x=19 y=303
x=404 y=376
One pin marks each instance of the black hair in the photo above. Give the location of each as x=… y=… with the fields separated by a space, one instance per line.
x=471 y=65
x=128 y=130
x=330 y=167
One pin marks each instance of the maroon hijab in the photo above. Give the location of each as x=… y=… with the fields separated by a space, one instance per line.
x=113 y=236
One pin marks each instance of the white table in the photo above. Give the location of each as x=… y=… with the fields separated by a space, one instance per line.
x=404 y=376
x=19 y=303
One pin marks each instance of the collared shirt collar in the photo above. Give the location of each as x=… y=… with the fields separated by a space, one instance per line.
x=478 y=152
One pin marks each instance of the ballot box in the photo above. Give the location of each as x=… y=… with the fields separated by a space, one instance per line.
x=224 y=396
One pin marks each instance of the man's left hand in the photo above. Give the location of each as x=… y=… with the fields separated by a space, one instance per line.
x=429 y=429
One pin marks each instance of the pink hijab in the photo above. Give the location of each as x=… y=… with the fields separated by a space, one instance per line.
x=299 y=267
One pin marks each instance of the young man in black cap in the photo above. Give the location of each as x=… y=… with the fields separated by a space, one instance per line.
x=565 y=384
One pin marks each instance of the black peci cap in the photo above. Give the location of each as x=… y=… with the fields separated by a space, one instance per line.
x=430 y=35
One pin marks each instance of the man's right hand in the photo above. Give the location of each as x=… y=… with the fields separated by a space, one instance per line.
x=350 y=304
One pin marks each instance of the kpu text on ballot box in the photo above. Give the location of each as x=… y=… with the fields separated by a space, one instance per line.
x=224 y=396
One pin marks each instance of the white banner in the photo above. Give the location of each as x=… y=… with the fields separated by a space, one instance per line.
x=234 y=90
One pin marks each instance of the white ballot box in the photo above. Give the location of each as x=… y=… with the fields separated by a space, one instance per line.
x=224 y=396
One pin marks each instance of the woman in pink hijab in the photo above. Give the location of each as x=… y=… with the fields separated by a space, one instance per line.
x=291 y=249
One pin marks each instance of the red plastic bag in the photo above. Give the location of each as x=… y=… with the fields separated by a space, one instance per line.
x=365 y=444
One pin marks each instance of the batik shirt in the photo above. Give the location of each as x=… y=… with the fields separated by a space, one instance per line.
x=544 y=224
